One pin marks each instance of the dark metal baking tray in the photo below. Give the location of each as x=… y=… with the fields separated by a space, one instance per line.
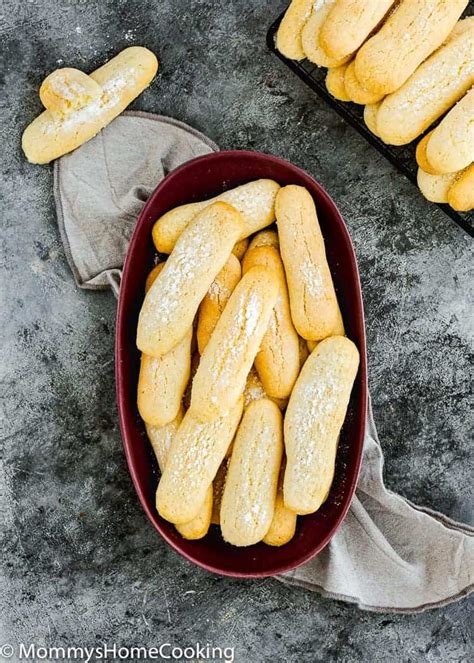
x=403 y=158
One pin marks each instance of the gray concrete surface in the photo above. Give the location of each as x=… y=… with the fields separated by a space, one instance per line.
x=80 y=562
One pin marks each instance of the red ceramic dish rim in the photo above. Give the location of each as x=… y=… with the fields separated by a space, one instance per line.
x=119 y=343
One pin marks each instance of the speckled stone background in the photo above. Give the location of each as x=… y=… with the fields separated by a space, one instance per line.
x=80 y=562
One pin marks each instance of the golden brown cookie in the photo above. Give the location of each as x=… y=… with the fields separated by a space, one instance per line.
x=335 y=82
x=451 y=145
x=314 y=307
x=172 y=302
x=283 y=525
x=435 y=188
x=432 y=89
x=310 y=36
x=196 y=452
x=349 y=23
x=162 y=381
x=161 y=439
x=355 y=91
x=278 y=359
x=409 y=35
x=226 y=361
x=313 y=421
x=255 y=201
x=248 y=501
x=461 y=193
x=79 y=106
x=288 y=39
x=216 y=299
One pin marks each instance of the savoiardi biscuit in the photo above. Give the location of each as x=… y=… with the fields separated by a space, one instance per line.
x=283 y=524
x=370 y=116
x=432 y=90
x=196 y=453
x=216 y=299
x=78 y=105
x=355 y=91
x=278 y=359
x=421 y=158
x=255 y=201
x=451 y=145
x=349 y=23
x=335 y=84
x=227 y=358
x=310 y=36
x=409 y=35
x=162 y=382
x=161 y=438
x=435 y=188
x=314 y=307
x=461 y=193
x=313 y=420
x=288 y=39
x=171 y=303
x=248 y=501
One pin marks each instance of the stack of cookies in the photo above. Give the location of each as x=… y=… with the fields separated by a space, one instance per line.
x=246 y=372
x=408 y=62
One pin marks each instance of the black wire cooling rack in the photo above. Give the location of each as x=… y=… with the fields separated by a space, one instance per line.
x=403 y=158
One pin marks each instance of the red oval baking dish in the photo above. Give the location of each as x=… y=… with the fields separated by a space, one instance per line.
x=199 y=179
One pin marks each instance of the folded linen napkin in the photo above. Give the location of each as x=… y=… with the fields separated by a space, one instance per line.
x=101 y=188
x=389 y=555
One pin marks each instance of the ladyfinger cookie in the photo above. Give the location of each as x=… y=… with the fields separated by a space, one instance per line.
x=310 y=36
x=278 y=359
x=248 y=501
x=370 y=117
x=161 y=439
x=66 y=90
x=349 y=23
x=451 y=145
x=162 y=436
x=79 y=106
x=355 y=91
x=240 y=248
x=434 y=87
x=283 y=525
x=414 y=30
x=171 y=303
x=226 y=361
x=199 y=525
x=313 y=421
x=194 y=457
x=288 y=39
x=335 y=82
x=162 y=381
x=461 y=193
x=264 y=238
x=216 y=299
x=254 y=390
x=421 y=158
x=435 y=188
x=313 y=300
x=255 y=201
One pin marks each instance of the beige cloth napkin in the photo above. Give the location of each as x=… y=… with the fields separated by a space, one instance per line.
x=389 y=555
x=101 y=188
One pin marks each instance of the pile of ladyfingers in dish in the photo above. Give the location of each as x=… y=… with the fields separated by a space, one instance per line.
x=409 y=62
x=245 y=372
